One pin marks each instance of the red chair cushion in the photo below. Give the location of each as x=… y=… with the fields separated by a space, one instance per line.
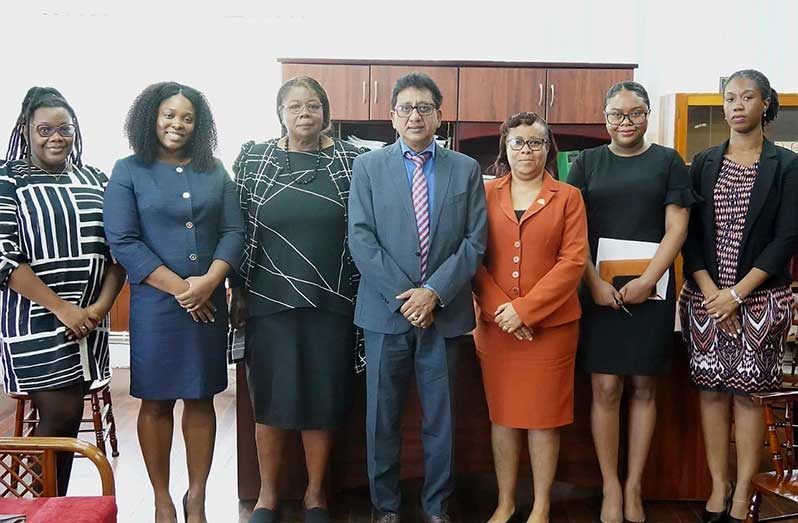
x=75 y=509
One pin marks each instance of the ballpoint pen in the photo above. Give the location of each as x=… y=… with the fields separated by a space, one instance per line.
x=623 y=307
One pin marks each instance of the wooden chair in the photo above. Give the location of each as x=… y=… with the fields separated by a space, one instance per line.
x=782 y=482
x=102 y=420
x=27 y=465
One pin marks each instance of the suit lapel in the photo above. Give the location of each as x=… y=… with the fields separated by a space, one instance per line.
x=443 y=175
x=397 y=172
x=766 y=173
x=506 y=198
x=709 y=175
x=547 y=192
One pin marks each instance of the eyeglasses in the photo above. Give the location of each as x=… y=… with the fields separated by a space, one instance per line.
x=518 y=143
x=66 y=130
x=405 y=110
x=296 y=107
x=635 y=117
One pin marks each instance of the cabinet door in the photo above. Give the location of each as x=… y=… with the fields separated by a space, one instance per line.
x=383 y=78
x=347 y=87
x=577 y=95
x=491 y=94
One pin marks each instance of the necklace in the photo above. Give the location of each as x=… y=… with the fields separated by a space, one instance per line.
x=67 y=169
x=299 y=179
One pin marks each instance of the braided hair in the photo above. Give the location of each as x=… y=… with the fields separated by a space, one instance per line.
x=35 y=98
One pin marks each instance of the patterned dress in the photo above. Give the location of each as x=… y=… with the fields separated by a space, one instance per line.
x=300 y=282
x=54 y=222
x=750 y=361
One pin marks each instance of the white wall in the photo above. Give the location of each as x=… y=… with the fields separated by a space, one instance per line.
x=100 y=54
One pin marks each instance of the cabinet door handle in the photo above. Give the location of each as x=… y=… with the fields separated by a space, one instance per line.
x=551 y=102
x=376 y=85
x=364 y=92
x=540 y=95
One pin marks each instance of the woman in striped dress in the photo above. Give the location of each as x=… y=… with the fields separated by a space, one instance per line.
x=57 y=278
x=736 y=306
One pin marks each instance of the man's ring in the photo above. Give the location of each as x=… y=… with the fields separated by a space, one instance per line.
x=83 y=327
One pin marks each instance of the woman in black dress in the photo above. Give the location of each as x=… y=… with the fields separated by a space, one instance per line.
x=736 y=307
x=637 y=191
x=298 y=289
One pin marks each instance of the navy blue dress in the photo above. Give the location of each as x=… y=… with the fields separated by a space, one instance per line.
x=164 y=214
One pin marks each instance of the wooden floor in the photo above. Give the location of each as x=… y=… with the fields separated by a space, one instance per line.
x=473 y=502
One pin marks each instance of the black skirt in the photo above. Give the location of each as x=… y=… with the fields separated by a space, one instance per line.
x=300 y=368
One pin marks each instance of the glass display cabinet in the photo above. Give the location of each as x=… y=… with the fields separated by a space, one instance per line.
x=691 y=122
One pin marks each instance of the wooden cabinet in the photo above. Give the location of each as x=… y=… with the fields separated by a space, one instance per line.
x=347 y=87
x=491 y=94
x=561 y=95
x=577 y=95
x=362 y=92
x=383 y=78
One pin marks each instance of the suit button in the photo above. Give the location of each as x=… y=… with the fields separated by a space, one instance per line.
x=186 y=195
x=515 y=274
x=192 y=257
x=178 y=170
x=516 y=259
x=418 y=253
x=517 y=244
x=189 y=225
x=516 y=290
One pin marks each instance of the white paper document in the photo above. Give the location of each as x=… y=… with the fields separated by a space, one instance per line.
x=610 y=249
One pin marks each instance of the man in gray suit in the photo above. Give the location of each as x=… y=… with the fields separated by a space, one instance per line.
x=417 y=232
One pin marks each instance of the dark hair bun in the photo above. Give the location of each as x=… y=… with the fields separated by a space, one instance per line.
x=773 y=108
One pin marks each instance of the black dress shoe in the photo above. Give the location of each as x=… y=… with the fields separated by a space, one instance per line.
x=730 y=519
x=264 y=515
x=713 y=517
x=388 y=517
x=438 y=518
x=317 y=515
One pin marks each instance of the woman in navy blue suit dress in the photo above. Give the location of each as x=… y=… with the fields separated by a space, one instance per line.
x=173 y=221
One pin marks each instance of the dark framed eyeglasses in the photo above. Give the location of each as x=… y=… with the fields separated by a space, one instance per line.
x=296 y=107
x=405 y=110
x=66 y=130
x=518 y=143
x=635 y=117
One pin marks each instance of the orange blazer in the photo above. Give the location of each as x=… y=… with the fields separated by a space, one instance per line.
x=536 y=263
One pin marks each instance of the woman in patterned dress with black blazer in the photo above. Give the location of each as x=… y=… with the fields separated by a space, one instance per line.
x=736 y=306
x=297 y=289
x=57 y=278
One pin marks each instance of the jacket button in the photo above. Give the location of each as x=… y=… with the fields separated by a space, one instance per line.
x=186 y=195
x=516 y=259
x=516 y=290
x=192 y=257
x=517 y=244
x=189 y=225
x=179 y=170
x=515 y=274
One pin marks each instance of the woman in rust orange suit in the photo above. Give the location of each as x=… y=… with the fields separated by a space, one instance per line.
x=528 y=309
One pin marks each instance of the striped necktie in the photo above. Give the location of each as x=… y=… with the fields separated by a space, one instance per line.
x=421 y=205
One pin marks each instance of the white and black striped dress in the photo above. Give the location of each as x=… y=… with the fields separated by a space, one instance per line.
x=54 y=222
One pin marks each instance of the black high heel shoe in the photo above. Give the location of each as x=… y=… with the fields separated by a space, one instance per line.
x=723 y=515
